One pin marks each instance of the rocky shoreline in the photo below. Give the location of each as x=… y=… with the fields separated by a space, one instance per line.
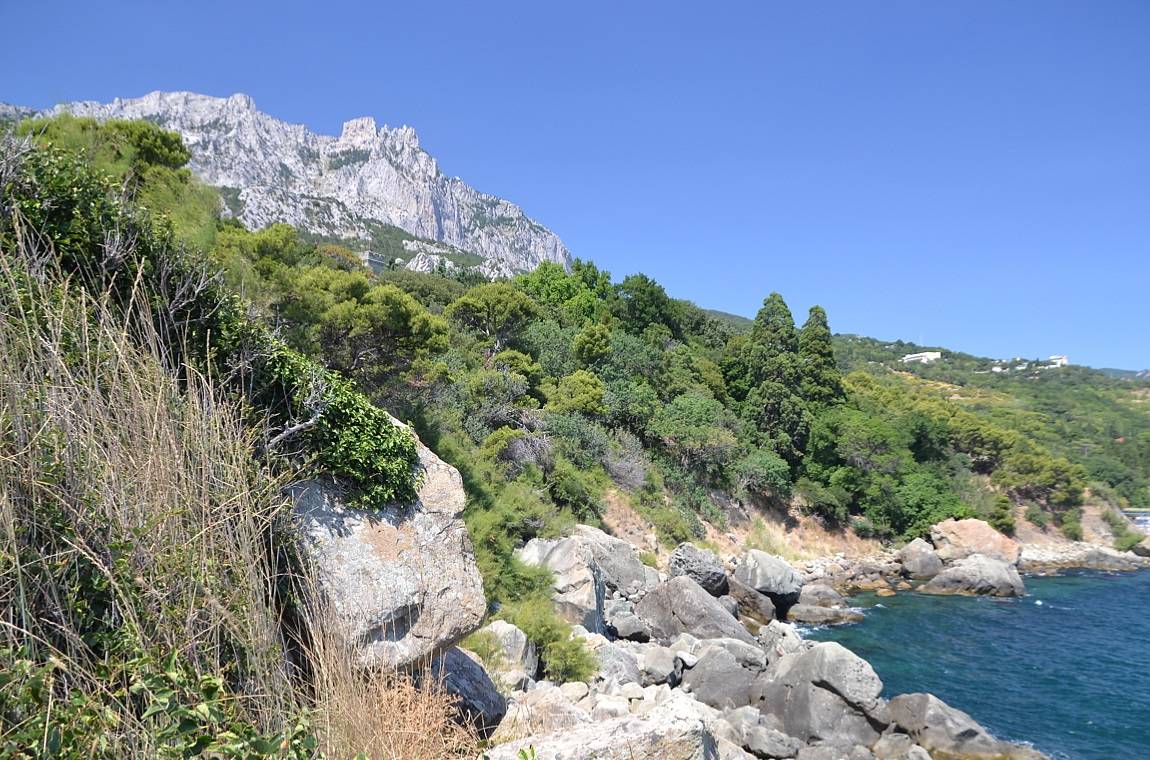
x=698 y=660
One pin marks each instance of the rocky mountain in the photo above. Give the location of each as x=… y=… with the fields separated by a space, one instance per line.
x=358 y=186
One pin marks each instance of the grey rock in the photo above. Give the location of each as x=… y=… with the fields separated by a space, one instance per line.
x=517 y=651
x=339 y=186
x=682 y=606
x=751 y=603
x=699 y=565
x=719 y=680
x=398 y=582
x=574 y=690
x=947 y=732
x=730 y=604
x=919 y=560
x=805 y=613
x=895 y=746
x=977 y=575
x=621 y=621
x=608 y=706
x=616 y=664
x=463 y=676
x=1142 y=548
x=834 y=752
x=958 y=539
x=677 y=729
x=821 y=595
x=771 y=576
x=759 y=739
x=822 y=695
x=779 y=639
x=587 y=565
x=541 y=710
x=659 y=665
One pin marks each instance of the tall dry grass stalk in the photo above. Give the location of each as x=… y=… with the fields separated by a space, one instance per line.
x=116 y=476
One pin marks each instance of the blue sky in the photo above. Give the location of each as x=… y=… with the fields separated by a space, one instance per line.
x=971 y=174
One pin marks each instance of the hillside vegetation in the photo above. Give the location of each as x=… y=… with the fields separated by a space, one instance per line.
x=141 y=327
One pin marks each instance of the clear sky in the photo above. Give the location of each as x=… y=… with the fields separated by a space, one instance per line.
x=972 y=174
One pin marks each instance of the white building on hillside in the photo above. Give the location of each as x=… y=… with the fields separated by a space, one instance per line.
x=923 y=357
x=1059 y=361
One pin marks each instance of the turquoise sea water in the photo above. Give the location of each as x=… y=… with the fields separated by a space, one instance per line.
x=1066 y=668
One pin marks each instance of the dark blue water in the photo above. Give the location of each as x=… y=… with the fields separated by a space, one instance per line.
x=1070 y=675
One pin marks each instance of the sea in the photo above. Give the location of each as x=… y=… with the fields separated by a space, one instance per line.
x=1064 y=668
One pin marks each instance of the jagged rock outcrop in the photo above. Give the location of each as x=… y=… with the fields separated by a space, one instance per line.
x=463 y=676
x=398 y=582
x=682 y=606
x=948 y=732
x=341 y=186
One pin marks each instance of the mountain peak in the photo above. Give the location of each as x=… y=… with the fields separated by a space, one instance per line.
x=343 y=186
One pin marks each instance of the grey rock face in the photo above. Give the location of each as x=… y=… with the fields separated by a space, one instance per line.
x=659 y=665
x=718 y=679
x=919 y=560
x=699 y=565
x=621 y=620
x=682 y=606
x=751 y=603
x=676 y=729
x=463 y=676
x=771 y=576
x=827 y=694
x=543 y=709
x=336 y=185
x=946 y=731
x=398 y=582
x=977 y=575
x=811 y=615
x=834 y=752
x=588 y=564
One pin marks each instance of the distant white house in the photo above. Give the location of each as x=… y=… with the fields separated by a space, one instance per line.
x=1059 y=361
x=923 y=357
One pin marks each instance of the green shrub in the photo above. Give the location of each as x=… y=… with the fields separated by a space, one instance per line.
x=1070 y=522
x=564 y=658
x=1036 y=515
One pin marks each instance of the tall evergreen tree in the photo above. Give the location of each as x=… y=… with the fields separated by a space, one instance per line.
x=821 y=380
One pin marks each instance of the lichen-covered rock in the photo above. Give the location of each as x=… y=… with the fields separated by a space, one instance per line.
x=682 y=606
x=977 y=575
x=919 y=560
x=516 y=650
x=957 y=539
x=399 y=582
x=699 y=565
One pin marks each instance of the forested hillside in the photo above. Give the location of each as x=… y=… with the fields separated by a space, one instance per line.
x=552 y=388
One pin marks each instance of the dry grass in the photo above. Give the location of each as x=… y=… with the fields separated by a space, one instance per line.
x=117 y=477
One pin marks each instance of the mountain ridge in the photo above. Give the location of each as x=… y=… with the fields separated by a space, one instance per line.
x=344 y=186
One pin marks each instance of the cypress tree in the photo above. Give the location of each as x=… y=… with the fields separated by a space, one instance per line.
x=821 y=379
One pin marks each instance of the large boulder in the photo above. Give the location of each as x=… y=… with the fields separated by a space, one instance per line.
x=958 y=539
x=682 y=606
x=1142 y=548
x=821 y=595
x=826 y=694
x=947 y=732
x=919 y=560
x=587 y=565
x=718 y=679
x=676 y=729
x=771 y=576
x=977 y=575
x=478 y=699
x=397 y=582
x=751 y=603
x=699 y=565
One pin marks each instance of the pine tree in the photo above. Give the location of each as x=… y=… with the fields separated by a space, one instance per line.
x=821 y=381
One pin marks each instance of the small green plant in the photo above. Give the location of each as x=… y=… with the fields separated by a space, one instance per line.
x=650 y=559
x=564 y=658
x=1035 y=515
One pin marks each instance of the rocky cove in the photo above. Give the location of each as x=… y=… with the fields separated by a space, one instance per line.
x=701 y=658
